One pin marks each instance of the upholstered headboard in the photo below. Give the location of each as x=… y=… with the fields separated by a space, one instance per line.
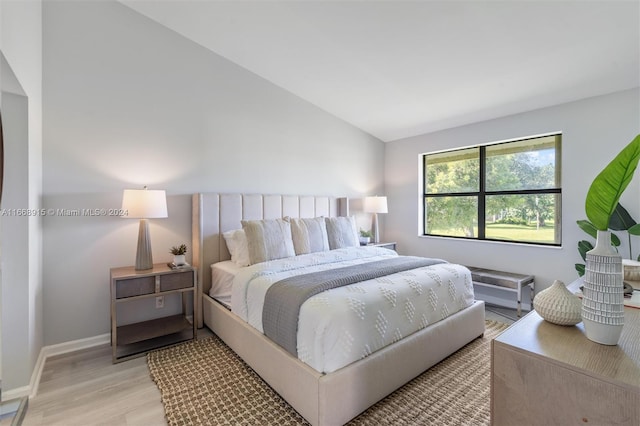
x=215 y=213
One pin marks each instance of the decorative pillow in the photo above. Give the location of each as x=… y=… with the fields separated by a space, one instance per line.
x=342 y=232
x=237 y=244
x=299 y=235
x=309 y=235
x=317 y=230
x=268 y=239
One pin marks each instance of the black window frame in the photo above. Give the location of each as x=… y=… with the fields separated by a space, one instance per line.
x=482 y=193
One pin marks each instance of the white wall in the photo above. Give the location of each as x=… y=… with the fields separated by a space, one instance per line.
x=129 y=102
x=21 y=46
x=593 y=132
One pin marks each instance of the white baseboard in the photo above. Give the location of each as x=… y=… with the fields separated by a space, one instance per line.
x=15 y=393
x=76 y=345
x=48 y=351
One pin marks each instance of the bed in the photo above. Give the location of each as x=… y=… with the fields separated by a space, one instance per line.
x=324 y=391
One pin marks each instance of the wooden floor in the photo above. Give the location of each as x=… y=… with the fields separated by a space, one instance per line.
x=501 y=314
x=85 y=388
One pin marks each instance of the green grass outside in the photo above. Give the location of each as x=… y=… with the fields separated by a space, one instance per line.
x=502 y=231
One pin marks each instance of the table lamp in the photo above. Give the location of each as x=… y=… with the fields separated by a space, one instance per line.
x=375 y=205
x=144 y=204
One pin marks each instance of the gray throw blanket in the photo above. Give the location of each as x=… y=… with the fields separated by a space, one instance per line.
x=284 y=298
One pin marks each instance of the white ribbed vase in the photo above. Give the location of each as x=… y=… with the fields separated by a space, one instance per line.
x=603 y=299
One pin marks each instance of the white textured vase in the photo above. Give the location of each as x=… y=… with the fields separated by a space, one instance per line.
x=179 y=259
x=603 y=299
x=558 y=305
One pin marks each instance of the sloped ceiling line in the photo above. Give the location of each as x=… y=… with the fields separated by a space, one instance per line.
x=396 y=69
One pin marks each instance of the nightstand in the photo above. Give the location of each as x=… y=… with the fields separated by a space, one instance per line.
x=390 y=246
x=128 y=285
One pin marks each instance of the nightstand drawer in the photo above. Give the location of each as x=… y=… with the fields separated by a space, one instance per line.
x=135 y=287
x=176 y=281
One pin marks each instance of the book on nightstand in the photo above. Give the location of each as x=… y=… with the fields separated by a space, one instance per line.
x=174 y=266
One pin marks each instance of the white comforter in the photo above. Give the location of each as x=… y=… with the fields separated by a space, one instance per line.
x=345 y=324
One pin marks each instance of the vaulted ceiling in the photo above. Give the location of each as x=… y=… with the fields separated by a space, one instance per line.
x=401 y=68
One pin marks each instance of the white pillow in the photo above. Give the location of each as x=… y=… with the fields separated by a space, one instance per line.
x=317 y=229
x=237 y=244
x=309 y=235
x=299 y=235
x=268 y=239
x=342 y=232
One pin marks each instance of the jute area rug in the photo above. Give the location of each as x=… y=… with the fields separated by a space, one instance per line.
x=206 y=383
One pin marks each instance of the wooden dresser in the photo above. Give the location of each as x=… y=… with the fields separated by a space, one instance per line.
x=546 y=374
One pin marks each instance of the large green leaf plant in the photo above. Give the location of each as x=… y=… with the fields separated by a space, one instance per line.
x=622 y=221
x=601 y=204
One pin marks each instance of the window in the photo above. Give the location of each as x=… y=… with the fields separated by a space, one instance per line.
x=507 y=191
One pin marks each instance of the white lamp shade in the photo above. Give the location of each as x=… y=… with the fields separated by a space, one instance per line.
x=375 y=205
x=144 y=203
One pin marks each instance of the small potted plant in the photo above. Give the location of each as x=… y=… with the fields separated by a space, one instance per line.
x=178 y=253
x=365 y=237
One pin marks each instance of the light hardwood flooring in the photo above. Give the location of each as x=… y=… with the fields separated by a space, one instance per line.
x=85 y=388
x=501 y=314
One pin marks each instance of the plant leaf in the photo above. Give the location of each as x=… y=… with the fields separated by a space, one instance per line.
x=583 y=247
x=621 y=220
x=608 y=186
x=588 y=227
x=615 y=241
x=580 y=268
x=634 y=230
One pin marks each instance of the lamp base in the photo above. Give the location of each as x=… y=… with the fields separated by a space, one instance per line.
x=144 y=259
x=375 y=232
